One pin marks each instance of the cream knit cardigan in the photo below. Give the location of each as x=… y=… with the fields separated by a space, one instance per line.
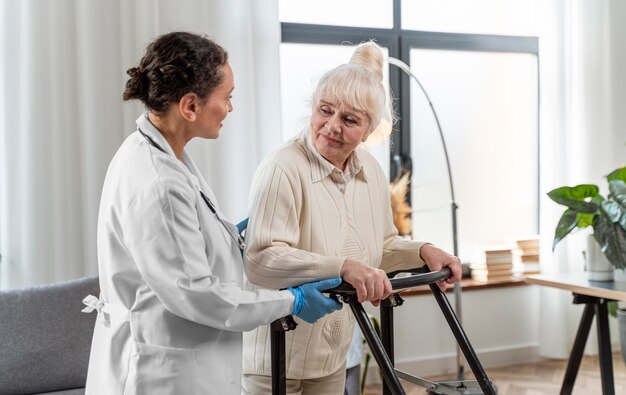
x=296 y=234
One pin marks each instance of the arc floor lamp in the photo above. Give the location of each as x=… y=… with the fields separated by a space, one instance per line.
x=453 y=206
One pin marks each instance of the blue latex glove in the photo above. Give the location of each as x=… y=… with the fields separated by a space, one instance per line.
x=310 y=304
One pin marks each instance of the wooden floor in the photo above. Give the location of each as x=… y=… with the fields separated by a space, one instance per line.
x=541 y=378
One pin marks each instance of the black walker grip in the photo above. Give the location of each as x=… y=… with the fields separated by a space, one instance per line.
x=398 y=284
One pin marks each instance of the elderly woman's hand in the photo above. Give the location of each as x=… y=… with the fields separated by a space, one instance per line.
x=437 y=259
x=370 y=283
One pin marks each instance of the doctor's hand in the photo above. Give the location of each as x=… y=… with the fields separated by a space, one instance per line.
x=310 y=304
x=436 y=259
x=369 y=282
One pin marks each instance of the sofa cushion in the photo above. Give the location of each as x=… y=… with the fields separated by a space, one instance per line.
x=44 y=337
x=76 y=391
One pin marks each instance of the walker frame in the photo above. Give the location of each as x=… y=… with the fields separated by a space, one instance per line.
x=383 y=348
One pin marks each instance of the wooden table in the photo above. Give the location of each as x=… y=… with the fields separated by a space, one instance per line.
x=594 y=295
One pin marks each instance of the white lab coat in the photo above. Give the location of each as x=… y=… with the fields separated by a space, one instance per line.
x=171 y=308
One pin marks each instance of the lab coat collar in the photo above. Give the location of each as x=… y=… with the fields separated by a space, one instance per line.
x=146 y=127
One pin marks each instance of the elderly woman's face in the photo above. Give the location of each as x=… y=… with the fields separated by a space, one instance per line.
x=337 y=129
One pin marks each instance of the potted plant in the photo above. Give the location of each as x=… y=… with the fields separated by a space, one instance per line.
x=586 y=207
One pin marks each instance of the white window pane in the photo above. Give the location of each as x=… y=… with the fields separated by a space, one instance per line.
x=301 y=67
x=506 y=17
x=487 y=106
x=362 y=13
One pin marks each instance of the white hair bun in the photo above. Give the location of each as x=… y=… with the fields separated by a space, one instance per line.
x=369 y=56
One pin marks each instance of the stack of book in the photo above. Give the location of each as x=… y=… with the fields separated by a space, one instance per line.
x=492 y=263
x=526 y=255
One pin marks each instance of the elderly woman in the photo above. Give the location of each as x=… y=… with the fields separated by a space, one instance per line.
x=320 y=208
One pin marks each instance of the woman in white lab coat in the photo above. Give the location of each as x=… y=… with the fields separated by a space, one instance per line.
x=172 y=307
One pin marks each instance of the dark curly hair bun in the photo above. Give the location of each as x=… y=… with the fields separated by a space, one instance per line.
x=176 y=64
x=136 y=86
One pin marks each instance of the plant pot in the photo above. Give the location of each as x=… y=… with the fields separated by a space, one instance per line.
x=621 y=326
x=597 y=266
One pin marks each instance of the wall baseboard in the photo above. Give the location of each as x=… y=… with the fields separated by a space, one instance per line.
x=442 y=365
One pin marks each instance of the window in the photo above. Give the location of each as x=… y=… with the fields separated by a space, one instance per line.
x=508 y=17
x=361 y=13
x=489 y=113
x=483 y=86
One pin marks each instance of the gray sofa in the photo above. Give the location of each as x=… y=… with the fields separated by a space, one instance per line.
x=45 y=339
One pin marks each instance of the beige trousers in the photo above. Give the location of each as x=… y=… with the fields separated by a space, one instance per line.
x=334 y=384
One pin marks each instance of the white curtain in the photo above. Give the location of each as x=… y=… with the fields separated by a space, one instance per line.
x=583 y=129
x=62 y=74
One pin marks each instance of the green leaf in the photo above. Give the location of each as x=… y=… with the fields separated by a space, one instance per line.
x=574 y=197
x=611 y=306
x=612 y=210
x=584 y=220
x=619 y=174
x=617 y=190
x=612 y=240
x=617 y=255
x=598 y=199
x=566 y=224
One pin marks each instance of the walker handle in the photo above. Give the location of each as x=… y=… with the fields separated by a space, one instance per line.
x=398 y=284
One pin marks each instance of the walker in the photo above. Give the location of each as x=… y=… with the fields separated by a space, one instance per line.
x=382 y=348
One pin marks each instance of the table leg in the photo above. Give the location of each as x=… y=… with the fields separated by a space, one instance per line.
x=604 y=347
x=577 y=351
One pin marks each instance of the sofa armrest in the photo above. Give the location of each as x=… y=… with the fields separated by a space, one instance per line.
x=45 y=340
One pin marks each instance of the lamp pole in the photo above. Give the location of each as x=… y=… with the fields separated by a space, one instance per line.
x=453 y=206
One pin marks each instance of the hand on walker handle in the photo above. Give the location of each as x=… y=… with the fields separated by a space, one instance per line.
x=436 y=259
x=370 y=283
x=310 y=304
